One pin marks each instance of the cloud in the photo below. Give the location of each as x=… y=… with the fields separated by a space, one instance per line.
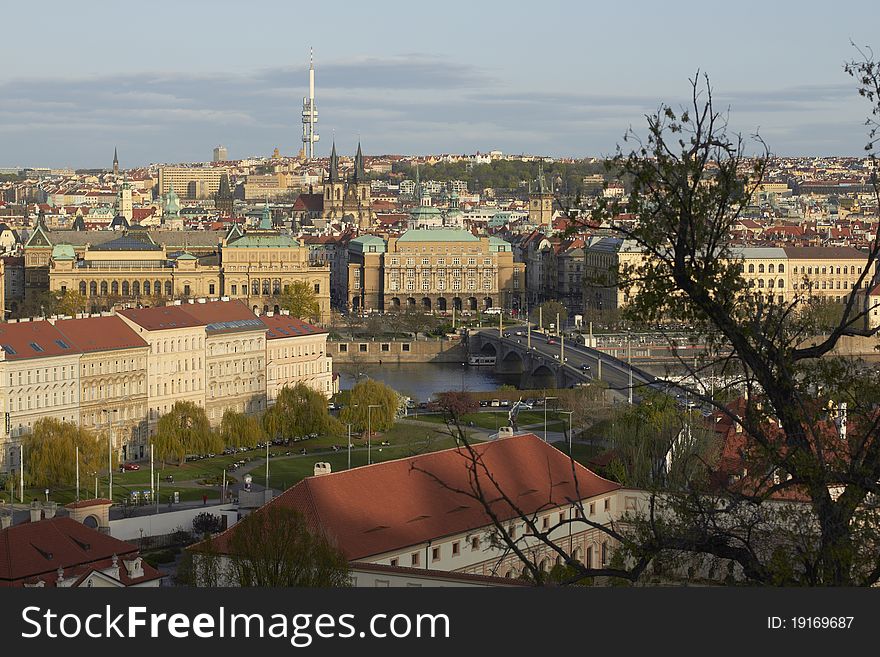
x=413 y=103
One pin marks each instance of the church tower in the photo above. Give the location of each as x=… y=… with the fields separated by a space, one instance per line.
x=334 y=188
x=224 y=200
x=115 y=162
x=361 y=192
x=541 y=201
x=123 y=201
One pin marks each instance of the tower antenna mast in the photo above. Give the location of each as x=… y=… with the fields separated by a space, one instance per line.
x=310 y=113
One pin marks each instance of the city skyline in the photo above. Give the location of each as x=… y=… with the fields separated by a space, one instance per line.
x=457 y=81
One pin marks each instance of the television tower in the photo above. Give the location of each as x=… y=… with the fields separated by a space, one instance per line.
x=310 y=113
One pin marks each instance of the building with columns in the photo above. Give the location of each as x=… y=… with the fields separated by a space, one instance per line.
x=441 y=269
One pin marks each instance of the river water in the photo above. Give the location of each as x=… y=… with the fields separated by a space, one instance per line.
x=421 y=380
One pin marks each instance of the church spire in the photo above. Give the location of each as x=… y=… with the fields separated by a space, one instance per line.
x=359 y=174
x=115 y=162
x=334 y=165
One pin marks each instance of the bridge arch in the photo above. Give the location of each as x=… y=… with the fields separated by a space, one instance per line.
x=511 y=363
x=543 y=377
x=488 y=349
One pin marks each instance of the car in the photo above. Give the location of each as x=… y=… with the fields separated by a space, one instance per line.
x=529 y=402
x=507 y=334
x=505 y=402
x=484 y=402
x=586 y=367
x=556 y=356
x=495 y=402
x=551 y=341
x=131 y=466
x=519 y=333
x=384 y=443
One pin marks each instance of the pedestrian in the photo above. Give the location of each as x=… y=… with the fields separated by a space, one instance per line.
x=205 y=499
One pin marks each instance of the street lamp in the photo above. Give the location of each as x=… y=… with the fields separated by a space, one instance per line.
x=570 y=430
x=370 y=431
x=349 y=445
x=545 y=415
x=109 y=451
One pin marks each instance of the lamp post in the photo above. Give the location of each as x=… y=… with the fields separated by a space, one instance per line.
x=545 y=415
x=349 y=445
x=570 y=430
x=109 y=452
x=370 y=432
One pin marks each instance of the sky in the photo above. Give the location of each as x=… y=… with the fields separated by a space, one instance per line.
x=167 y=81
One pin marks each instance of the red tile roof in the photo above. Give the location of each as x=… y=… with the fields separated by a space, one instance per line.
x=389 y=506
x=37 y=549
x=309 y=203
x=285 y=326
x=160 y=318
x=99 y=334
x=18 y=340
x=212 y=312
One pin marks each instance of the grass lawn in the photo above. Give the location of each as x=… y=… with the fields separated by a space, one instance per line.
x=285 y=472
x=582 y=453
x=498 y=418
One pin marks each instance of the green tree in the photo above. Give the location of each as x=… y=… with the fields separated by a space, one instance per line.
x=50 y=453
x=70 y=302
x=240 y=430
x=298 y=411
x=302 y=302
x=371 y=393
x=274 y=547
x=185 y=430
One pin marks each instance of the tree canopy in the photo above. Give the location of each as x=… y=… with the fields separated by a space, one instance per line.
x=302 y=302
x=298 y=411
x=50 y=453
x=185 y=430
x=370 y=392
x=240 y=430
x=274 y=547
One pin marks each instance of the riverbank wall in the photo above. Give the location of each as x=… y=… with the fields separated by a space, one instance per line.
x=423 y=350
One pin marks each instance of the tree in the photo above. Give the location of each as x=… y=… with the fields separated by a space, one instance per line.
x=371 y=393
x=547 y=312
x=240 y=430
x=792 y=500
x=454 y=404
x=50 y=453
x=207 y=523
x=274 y=547
x=70 y=302
x=302 y=302
x=298 y=411
x=185 y=430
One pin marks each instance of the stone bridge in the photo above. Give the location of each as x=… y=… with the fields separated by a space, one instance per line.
x=537 y=367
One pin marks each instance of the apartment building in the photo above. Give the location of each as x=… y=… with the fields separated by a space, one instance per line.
x=113 y=380
x=39 y=377
x=296 y=352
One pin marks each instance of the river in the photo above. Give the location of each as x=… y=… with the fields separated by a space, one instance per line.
x=421 y=380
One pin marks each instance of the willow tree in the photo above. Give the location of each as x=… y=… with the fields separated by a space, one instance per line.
x=373 y=405
x=299 y=410
x=185 y=430
x=50 y=453
x=240 y=430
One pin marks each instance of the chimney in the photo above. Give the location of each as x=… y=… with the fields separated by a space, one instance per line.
x=322 y=468
x=224 y=298
x=36 y=511
x=5 y=520
x=203 y=300
x=49 y=509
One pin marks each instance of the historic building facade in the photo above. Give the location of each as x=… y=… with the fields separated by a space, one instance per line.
x=433 y=270
x=350 y=199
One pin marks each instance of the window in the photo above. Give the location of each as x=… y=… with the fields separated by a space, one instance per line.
x=630 y=504
x=234 y=290
x=394 y=562
x=607 y=503
x=362 y=347
x=456 y=549
x=592 y=508
x=475 y=543
x=404 y=347
x=386 y=346
x=435 y=554
x=343 y=348
x=604 y=553
x=317 y=288
x=414 y=558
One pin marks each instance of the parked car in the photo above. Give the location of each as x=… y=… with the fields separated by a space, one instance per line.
x=496 y=402
x=131 y=466
x=484 y=402
x=505 y=402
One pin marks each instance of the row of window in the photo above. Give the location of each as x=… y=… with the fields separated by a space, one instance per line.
x=440 y=261
x=58 y=374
